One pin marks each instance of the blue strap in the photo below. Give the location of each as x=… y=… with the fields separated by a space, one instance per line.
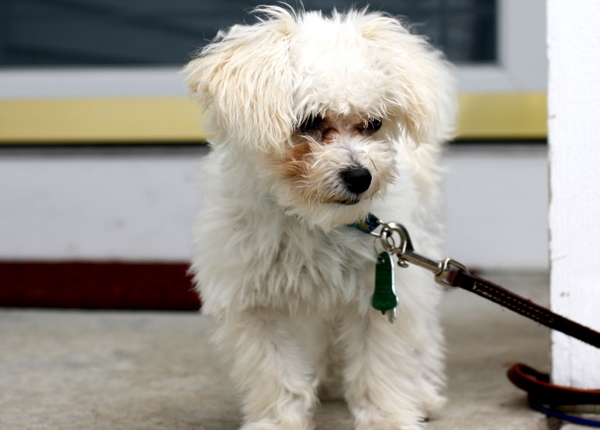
x=565 y=417
x=367 y=225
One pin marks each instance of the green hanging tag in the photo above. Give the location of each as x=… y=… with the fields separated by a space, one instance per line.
x=384 y=297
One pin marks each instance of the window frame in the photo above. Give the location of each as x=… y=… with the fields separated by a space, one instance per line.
x=506 y=101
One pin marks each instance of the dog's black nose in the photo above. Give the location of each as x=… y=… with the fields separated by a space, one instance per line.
x=357 y=179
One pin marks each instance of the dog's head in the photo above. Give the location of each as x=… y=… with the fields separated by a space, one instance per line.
x=326 y=102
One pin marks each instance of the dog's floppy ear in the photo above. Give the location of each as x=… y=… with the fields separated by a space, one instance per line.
x=245 y=82
x=423 y=94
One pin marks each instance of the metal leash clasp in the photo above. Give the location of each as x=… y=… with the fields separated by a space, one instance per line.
x=394 y=238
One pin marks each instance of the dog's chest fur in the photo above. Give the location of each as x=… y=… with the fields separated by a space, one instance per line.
x=249 y=253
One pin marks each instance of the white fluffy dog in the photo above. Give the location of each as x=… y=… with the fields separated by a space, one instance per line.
x=317 y=121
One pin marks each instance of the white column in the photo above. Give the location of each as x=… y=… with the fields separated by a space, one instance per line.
x=574 y=136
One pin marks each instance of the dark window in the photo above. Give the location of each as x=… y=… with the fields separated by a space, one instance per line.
x=167 y=32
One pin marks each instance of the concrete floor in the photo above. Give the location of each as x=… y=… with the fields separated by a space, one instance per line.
x=68 y=370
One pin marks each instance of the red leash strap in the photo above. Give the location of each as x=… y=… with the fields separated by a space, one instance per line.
x=541 y=391
x=552 y=399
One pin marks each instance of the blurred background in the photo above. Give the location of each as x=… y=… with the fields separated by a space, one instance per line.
x=99 y=142
x=142 y=32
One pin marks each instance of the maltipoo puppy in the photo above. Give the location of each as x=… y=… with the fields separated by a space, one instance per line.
x=316 y=122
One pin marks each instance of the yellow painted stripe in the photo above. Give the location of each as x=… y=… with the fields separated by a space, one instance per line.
x=100 y=120
x=503 y=116
x=178 y=119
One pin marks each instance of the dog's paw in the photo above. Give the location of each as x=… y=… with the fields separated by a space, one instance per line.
x=278 y=425
x=375 y=419
x=261 y=425
x=396 y=425
x=432 y=405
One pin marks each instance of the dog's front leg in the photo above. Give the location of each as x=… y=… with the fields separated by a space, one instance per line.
x=271 y=370
x=382 y=375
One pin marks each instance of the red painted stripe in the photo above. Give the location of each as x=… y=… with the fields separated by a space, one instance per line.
x=98 y=285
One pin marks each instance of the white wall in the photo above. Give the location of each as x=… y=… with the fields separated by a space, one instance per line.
x=91 y=204
x=497 y=206
x=574 y=91
x=139 y=204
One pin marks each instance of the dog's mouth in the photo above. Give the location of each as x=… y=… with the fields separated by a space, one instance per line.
x=345 y=198
x=348 y=202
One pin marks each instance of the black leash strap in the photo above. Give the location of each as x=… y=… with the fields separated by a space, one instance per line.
x=488 y=290
x=543 y=395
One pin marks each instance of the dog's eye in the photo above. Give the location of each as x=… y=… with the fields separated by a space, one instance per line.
x=373 y=125
x=311 y=123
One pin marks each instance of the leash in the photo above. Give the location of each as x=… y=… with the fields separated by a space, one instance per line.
x=542 y=395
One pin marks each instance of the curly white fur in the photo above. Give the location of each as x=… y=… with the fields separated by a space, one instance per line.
x=295 y=102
